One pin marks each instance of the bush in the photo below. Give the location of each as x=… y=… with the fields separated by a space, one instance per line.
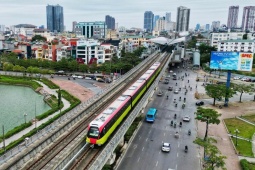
x=132 y=128
x=244 y=164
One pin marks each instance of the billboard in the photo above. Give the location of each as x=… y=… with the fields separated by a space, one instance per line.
x=231 y=61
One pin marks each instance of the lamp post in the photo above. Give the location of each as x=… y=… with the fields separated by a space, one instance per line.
x=25 y=117
x=236 y=131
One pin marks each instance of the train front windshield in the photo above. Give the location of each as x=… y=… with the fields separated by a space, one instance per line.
x=93 y=132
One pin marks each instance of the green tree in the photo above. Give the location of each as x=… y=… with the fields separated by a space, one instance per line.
x=217 y=91
x=203 y=48
x=83 y=68
x=205 y=58
x=243 y=88
x=8 y=67
x=192 y=42
x=209 y=116
x=215 y=159
x=59 y=98
x=73 y=65
x=39 y=38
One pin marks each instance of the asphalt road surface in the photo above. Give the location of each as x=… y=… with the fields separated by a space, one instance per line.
x=145 y=150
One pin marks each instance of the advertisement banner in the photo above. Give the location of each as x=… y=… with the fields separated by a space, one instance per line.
x=231 y=61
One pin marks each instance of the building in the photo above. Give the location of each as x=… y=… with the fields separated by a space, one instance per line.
x=42 y=32
x=223 y=36
x=2 y=28
x=110 y=22
x=156 y=17
x=215 y=25
x=197 y=27
x=160 y=24
x=74 y=24
x=148 y=21
x=168 y=21
x=55 y=18
x=24 y=29
x=233 y=16
x=237 y=46
x=207 y=27
x=95 y=29
x=182 y=21
x=248 y=21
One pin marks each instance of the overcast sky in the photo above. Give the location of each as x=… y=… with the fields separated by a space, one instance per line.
x=128 y=13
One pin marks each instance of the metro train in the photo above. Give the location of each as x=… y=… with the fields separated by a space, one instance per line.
x=100 y=129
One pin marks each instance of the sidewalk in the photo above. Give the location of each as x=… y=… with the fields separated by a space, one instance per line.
x=38 y=123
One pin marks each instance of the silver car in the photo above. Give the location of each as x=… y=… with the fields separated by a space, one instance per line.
x=166 y=147
x=176 y=91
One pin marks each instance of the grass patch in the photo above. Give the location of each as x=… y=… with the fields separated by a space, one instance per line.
x=243 y=147
x=23 y=81
x=251 y=118
x=246 y=130
x=49 y=83
x=132 y=128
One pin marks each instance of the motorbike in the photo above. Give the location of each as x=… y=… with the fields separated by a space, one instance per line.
x=183 y=105
x=180 y=98
x=175 y=116
x=175 y=104
x=186 y=149
x=189 y=132
x=180 y=124
x=172 y=122
x=176 y=135
x=68 y=78
x=184 y=99
x=166 y=97
x=174 y=100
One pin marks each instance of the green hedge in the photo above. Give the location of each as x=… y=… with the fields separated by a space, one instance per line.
x=244 y=164
x=132 y=128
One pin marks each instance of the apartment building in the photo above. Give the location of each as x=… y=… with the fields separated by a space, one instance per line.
x=237 y=45
x=131 y=43
x=221 y=36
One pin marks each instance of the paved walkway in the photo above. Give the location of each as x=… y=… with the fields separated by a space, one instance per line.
x=38 y=123
x=223 y=140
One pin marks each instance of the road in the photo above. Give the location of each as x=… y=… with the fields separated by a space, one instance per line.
x=145 y=150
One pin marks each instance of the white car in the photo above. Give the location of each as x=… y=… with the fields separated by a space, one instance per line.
x=176 y=91
x=80 y=77
x=166 y=147
x=88 y=78
x=244 y=79
x=74 y=76
x=236 y=78
x=186 y=118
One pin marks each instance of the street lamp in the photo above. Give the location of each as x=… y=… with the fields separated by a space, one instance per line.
x=25 y=117
x=236 y=131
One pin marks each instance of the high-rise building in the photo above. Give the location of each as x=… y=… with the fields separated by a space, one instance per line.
x=232 y=16
x=95 y=29
x=55 y=18
x=248 y=22
x=160 y=24
x=148 y=21
x=215 y=25
x=74 y=24
x=197 y=27
x=182 y=21
x=110 y=22
x=156 y=17
x=168 y=16
x=207 y=27
x=2 y=28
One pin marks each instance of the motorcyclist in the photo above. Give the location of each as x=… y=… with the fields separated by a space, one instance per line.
x=167 y=97
x=184 y=99
x=180 y=124
x=189 y=132
x=175 y=104
x=174 y=100
x=186 y=148
x=175 y=116
x=175 y=84
x=180 y=98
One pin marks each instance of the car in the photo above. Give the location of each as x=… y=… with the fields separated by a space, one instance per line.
x=74 y=76
x=186 y=118
x=170 y=71
x=170 y=88
x=244 y=79
x=88 y=78
x=166 y=147
x=252 y=80
x=80 y=77
x=248 y=80
x=199 y=103
x=100 y=80
x=174 y=74
x=174 y=78
x=176 y=91
x=166 y=81
x=236 y=78
x=168 y=76
x=160 y=93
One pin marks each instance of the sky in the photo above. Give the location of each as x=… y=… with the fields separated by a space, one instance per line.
x=127 y=13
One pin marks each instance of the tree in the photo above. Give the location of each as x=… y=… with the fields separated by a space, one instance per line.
x=217 y=91
x=39 y=38
x=83 y=68
x=209 y=116
x=243 y=88
x=215 y=159
x=203 y=48
x=59 y=98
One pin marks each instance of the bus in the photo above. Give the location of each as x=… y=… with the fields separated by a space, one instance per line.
x=151 y=115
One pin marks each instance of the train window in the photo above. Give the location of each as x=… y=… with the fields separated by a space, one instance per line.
x=93 y=132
